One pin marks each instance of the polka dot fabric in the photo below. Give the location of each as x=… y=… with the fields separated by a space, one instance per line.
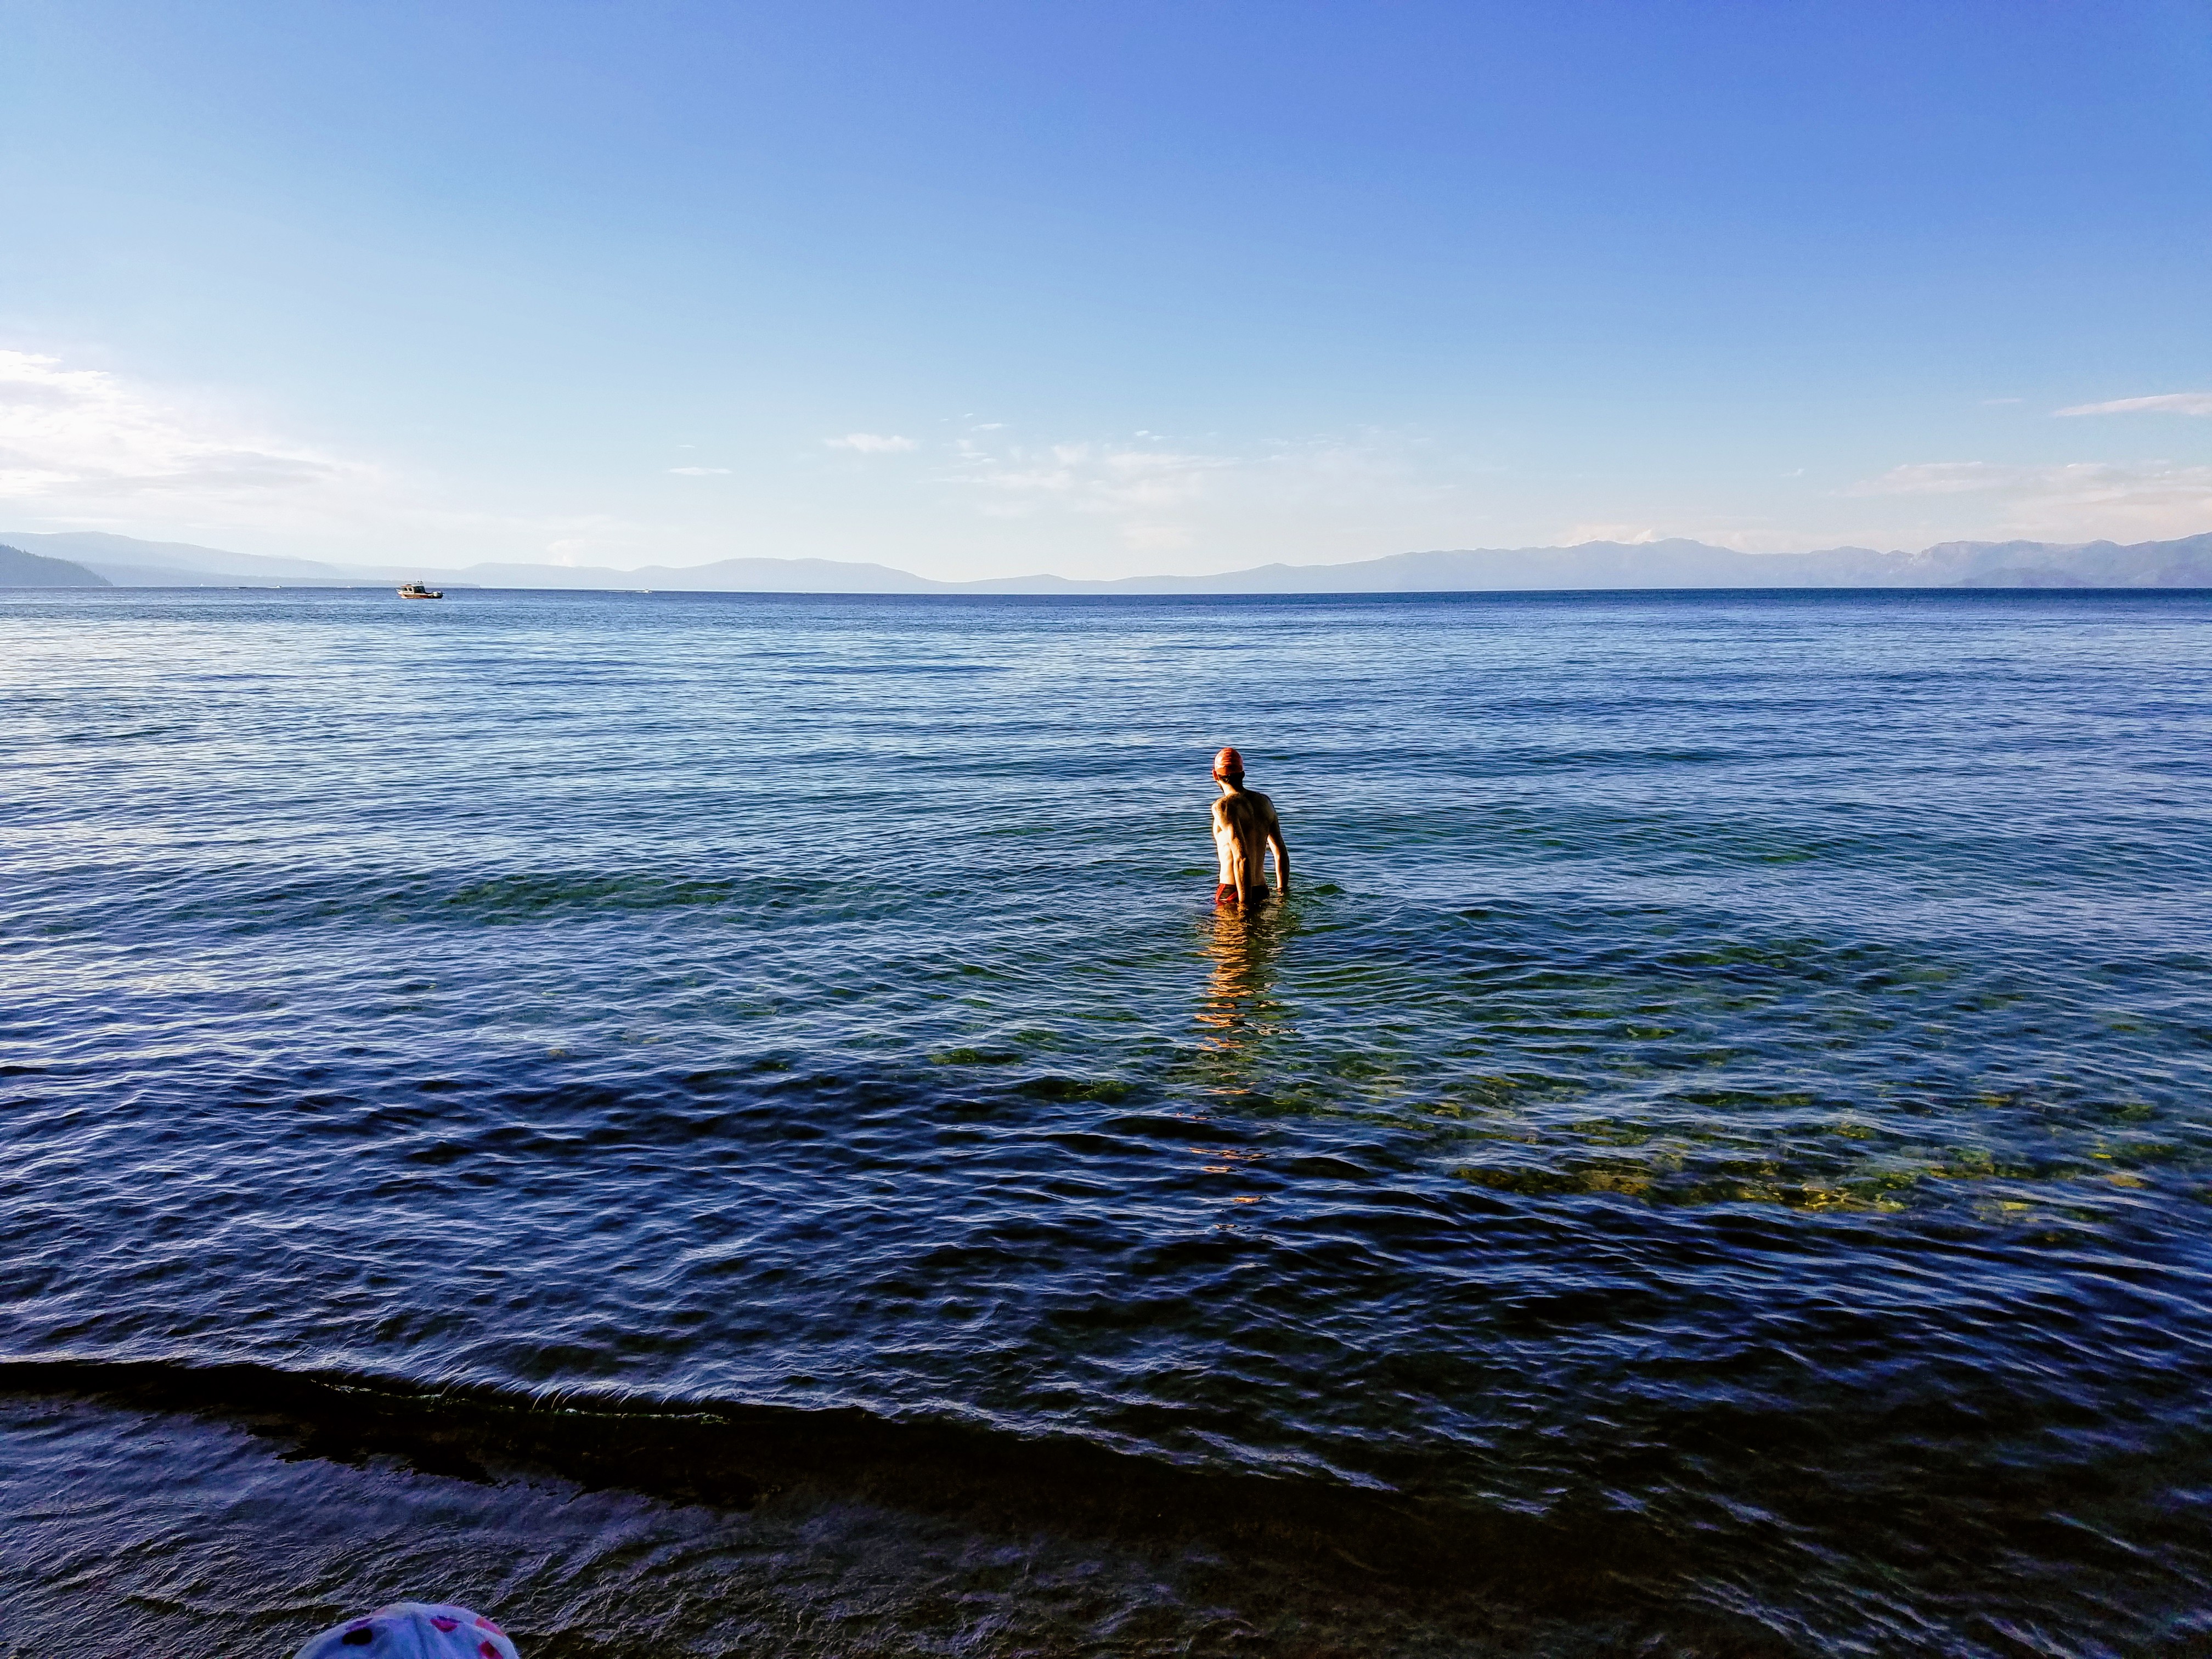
x=413 y=1629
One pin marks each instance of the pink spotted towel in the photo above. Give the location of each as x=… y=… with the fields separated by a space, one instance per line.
x=413 y=1629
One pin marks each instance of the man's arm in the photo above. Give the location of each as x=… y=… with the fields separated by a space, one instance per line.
x=1282 y=853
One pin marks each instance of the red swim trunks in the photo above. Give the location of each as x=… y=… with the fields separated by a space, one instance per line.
x=1227 y=893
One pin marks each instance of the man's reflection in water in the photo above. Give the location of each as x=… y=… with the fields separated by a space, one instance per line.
x=1240 y=1009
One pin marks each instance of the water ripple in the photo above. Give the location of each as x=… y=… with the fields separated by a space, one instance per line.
x=1738 y=1066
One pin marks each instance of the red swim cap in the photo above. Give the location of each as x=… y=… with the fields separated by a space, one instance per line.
x=1229 y=764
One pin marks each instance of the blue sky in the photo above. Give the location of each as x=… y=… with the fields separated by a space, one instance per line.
x=981 y=289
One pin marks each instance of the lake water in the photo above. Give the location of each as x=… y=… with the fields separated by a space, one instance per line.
x=706 y=1123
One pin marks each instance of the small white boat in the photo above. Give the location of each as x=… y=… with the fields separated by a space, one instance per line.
x=417 y=590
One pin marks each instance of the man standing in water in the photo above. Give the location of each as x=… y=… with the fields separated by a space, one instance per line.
x=1244 y=828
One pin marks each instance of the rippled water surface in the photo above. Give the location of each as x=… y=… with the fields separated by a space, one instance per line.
x=1727 y=1093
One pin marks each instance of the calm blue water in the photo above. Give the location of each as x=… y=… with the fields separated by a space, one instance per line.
x=1730 y=1087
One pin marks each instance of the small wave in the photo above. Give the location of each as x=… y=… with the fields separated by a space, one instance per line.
x=732 y=1455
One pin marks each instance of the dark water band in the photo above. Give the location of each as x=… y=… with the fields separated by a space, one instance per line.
x=735 y=1455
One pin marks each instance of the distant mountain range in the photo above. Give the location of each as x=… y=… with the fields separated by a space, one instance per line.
x=22 y=569
x=101 y=560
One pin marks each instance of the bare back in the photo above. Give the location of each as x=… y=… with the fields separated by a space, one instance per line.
x=1244 y=827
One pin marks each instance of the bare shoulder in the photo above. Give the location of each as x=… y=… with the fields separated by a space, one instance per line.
x=1265 y=803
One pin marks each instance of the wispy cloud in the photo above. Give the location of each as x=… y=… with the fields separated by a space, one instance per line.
x=1941 y=478
x=2165 y=403
x=1146 y=488
x=701 y=471
x=1086 y=476
x=88 y=449
x=1159 y=493
x=1630 y=535
x=2070 y=479
x=871 y=443
x=2088 y=499
x=80 y=441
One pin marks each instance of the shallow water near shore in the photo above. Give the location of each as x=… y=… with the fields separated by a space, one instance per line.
x=1714 y=1153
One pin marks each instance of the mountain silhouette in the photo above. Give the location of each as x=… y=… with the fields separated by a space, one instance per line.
x=1672 y=563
